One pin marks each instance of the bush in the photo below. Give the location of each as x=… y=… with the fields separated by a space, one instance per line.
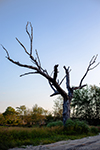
x=76 y=127
x=56 y=123
x=81 y=127
x=94 y=130
x=69 y=124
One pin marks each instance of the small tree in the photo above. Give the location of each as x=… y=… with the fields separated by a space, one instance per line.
x=10 y=116
x=54 y=84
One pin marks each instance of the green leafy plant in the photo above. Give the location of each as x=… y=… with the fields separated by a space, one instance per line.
x=94 y=130
x=56 y=123
x=76 y=127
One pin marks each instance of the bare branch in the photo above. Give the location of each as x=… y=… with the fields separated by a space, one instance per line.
x=6 y=51
x=38 y=58
x=55 y=91
x=23 y=65
x=28 y=73
x=79 y=87
x=62 y=80
x=45 y=71
x=32 y=58
x=92 y=61
x=22 y=46
x=94 y=66
x=30 y=35
x=52 y=87
x=63 y=77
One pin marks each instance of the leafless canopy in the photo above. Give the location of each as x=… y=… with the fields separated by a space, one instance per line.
x=37 y=68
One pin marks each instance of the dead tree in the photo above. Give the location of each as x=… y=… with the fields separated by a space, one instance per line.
x=56 y=86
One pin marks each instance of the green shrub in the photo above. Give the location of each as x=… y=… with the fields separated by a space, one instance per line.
x=81 y=127
x=69 y=127
x=69 y=124
x=94 y=130
x=56 y=123
x=76 y=127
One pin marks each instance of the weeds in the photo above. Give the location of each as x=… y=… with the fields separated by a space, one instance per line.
x=56 y=123
x=17 y=136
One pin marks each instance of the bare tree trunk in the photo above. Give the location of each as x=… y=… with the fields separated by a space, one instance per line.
x=66 y=110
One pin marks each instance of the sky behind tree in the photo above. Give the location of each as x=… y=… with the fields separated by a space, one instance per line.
x=66 y=32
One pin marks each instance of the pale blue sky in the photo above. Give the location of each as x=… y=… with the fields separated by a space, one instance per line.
x=66 y=32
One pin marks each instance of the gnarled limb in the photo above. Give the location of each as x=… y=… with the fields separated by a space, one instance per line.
x=55 y=91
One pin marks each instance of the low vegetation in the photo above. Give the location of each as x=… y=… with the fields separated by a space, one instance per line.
x=22 y=126
x=17 y=136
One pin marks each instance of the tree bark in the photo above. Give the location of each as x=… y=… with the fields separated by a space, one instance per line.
x=66 y=109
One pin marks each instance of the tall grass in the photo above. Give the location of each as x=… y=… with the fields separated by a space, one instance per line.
x=17 y=136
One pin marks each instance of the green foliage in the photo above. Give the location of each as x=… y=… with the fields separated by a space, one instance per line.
x=21 y=110
x=23 y=116
x=56 y=123
x=49 y=118
x=69 y=125
x=2 y=119
x=86 y=103
x=9 y=111
x=76 y=127
x=94 y=130
x=17 y=136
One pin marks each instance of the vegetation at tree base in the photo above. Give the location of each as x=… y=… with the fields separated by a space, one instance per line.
x=85 y=106
x=76 y=127
x=56 y=123
x=18 y=136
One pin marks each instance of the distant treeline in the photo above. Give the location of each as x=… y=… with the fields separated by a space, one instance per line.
x=25 y=117
x=85 y=105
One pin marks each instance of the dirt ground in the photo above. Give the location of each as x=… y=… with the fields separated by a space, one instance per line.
x=88 y=143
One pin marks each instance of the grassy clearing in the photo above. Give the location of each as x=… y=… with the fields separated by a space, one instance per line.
x=17 y=136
